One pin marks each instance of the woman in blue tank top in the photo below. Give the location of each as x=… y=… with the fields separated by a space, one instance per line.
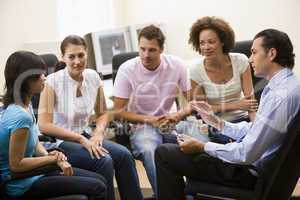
x=20 y=150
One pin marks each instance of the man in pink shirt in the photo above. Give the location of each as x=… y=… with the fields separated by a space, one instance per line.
x=145 y=89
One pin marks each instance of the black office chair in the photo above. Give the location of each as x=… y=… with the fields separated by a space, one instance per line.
x=258 y=83
x=278 y=176
x=50 y=61
x=122 y=128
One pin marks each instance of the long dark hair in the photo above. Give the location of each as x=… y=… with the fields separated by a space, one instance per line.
x=21 y=67
x=71 y=39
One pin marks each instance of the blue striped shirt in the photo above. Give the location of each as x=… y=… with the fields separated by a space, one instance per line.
x=256 y=141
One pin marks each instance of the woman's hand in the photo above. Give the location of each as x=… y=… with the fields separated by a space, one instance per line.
x=65 y=167
x=59 y=156
x=248 y=104
x=97 y=140
x=207 y=114
x=93 y=147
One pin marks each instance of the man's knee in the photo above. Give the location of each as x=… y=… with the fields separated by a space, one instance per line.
x=164 y=151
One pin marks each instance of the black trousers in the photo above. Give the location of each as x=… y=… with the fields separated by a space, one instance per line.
x=53 y=184
x=172 y=164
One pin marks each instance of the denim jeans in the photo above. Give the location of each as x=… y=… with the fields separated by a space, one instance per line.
x=145 y=138
x=119 y=160
x=54 y=184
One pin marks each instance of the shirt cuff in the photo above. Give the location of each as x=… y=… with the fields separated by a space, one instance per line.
x=211 y=148
x=227 y=128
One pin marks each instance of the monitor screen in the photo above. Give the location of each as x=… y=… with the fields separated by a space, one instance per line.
x=108 y=43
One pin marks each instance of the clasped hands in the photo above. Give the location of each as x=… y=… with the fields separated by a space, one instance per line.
x=62 y=163
x=164 y=122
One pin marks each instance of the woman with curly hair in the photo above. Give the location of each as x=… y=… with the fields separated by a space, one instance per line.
x=221 y=78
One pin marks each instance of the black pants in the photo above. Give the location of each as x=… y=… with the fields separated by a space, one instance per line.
x=172 y=164
x=54 y=184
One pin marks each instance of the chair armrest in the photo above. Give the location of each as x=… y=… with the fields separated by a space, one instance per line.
x=118 y=127
x=46 y=138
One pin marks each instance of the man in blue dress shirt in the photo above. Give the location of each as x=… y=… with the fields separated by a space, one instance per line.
x=272 y=58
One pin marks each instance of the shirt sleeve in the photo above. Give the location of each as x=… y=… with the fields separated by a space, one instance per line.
x=267 y=130
x=122 y=86
x=236 y=130
x=21 y=120
x=242 y=63
x=50 y=81
x=194 y=74
x=184 y=81
x=96 y=78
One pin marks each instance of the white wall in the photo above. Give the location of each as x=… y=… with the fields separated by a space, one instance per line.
x=247 y=17
x=37 y=21
x=24 y=21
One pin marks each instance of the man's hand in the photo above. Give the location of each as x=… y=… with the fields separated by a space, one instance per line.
x=155 y=121
x=190 y=145
x=169 y=122
x=207 y=114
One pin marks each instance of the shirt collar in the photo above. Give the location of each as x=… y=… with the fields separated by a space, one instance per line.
x=72 y=80
x=279 y=77
x=161 y=66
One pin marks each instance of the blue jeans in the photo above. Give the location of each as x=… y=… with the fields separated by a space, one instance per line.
x=119 y=159
x=54 y=184
x=145 y=138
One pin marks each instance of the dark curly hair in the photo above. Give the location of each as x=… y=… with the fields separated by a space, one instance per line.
x=221 y=27
x=153 y=32
x=279 y=40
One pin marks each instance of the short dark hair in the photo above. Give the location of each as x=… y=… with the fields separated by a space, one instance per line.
x=279 y=40
x=20 y=68
x=71 y=39
x=153 y=32
x=221 y=27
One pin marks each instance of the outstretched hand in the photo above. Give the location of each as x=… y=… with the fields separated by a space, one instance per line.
x=207 y=114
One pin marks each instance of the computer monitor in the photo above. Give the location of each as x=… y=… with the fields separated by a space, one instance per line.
x=135 y=29
x=103 y=45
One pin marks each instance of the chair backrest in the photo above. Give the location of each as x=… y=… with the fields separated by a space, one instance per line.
x=281 y=173
x=258 y=83
x=119 y=59
x=50 y=60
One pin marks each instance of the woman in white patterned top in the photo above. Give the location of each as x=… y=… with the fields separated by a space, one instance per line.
x=221 y=78
x=72 y=96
